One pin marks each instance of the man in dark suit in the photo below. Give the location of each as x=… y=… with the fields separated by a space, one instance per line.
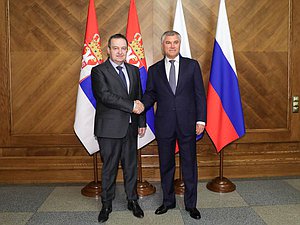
x=176 y=84
x=117 y=88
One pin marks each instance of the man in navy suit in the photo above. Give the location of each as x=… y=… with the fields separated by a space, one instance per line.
x=176 y=84
x=117 y=88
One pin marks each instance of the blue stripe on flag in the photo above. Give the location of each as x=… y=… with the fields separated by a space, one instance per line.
x=150 y=112
x=198 y=137
x=143 y=76
x=150 y=119
x=225 y=82
x=86 y=86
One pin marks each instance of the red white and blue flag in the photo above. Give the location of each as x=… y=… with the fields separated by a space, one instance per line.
x=86 y=103
x=136 y=56
x=225 y=119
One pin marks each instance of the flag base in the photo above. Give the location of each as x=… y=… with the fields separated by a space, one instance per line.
x=221 y=185
x=92 y=189
x=179 y=187
x=144 y=188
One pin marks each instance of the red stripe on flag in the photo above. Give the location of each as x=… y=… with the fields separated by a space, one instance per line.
x=219 y=126
x=91 y=22
x=134 y=37
x=176 y=147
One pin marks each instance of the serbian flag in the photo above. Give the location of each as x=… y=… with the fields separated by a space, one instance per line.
x=225 y=119
x=136 y=56
x=180 y=27
x=86 y=103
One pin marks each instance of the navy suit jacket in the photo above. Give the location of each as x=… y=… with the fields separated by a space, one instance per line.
x=179 y=111
x=113 y=104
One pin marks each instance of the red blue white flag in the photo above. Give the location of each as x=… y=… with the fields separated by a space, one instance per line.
x=136 y=56
x=86 y=103
x=225 y=119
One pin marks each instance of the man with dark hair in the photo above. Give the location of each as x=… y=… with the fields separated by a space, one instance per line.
x=117 y=88
x=176 y=84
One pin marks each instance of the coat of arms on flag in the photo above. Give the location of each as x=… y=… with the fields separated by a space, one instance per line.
x=136 y=56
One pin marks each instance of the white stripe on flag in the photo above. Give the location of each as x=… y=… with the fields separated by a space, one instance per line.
x=223 y=35
x=180 y=27
x=84 y=122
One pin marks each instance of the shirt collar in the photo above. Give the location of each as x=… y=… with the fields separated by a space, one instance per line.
x=176 y=59
x=115 y=64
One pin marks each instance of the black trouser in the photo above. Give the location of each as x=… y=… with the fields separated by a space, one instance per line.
x=112 y=150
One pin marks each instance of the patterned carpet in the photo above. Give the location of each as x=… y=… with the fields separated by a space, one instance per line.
x=256 y=201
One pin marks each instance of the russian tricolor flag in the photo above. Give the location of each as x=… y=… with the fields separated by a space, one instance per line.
x=136 y=56
x=86 y=103
x=225 y=119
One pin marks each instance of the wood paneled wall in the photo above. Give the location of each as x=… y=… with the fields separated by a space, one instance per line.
x=40 y=60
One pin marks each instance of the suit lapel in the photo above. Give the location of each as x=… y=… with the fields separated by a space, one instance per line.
x=111 y=70
x=163 y=74
x=131 y=75
x=180 y=76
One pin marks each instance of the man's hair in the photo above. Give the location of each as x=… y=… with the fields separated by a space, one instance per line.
x=170 y=33
x=117 y=36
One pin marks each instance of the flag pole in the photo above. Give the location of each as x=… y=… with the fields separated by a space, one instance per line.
x=221 y=184
x=144 y=188
x=178 y=183
x=93 y=189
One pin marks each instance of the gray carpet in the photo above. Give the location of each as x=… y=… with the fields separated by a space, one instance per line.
x=262 y=201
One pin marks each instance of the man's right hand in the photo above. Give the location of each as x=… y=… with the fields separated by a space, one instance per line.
x=138 y=107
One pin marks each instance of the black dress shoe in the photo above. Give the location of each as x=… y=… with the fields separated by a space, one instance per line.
x=133 y=206
x=194 y=213
x=163 y=209
x=104 y=213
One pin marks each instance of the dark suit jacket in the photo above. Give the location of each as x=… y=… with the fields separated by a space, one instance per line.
x=114 y=104
x=186 y=107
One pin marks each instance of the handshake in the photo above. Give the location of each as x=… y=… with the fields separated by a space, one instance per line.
x=138 y=107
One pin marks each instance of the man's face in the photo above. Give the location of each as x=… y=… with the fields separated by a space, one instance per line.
x=117 y=50
x=171 y=46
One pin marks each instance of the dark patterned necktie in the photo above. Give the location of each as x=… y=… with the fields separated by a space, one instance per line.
x=121 y=74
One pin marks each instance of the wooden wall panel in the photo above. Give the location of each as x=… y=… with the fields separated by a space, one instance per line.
x=40 y=59
x=46 y=41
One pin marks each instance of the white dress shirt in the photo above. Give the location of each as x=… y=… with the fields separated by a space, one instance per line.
x=168 y=67
x=123 y=70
